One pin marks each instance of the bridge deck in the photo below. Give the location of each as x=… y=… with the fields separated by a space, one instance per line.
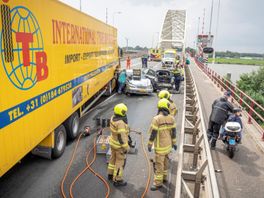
x=242 y=176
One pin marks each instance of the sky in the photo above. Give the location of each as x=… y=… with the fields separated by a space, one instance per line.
x=241 y=22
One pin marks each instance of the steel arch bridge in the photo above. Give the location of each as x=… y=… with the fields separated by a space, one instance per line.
x=173 y=30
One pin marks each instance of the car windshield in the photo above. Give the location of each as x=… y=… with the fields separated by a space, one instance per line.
x=163 y=73
x=169 y=55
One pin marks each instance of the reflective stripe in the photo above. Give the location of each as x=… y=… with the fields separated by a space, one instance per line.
x=174 y=140
x=158 y=177
x=113 y=129
x=163 y=150
x=154 y=127
x=119 y=171
x=166 y=128
x=114 y=143
x=115 y=172
x=165 y=173
x=111 y=166
x=119 y=130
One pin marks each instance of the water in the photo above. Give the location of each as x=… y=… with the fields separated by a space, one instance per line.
x=235 y=70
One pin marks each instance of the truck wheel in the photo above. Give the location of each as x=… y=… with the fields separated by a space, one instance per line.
x=72 y=126
x=59 y=142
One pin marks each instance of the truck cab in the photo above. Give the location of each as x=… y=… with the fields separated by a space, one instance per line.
x=169 y=58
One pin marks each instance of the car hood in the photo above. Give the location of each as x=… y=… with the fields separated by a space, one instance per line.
x=142 y=82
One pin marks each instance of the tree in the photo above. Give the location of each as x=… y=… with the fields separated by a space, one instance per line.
x=253 y=85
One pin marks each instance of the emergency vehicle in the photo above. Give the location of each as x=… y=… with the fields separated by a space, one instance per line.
x=169 y=58
x=155 y=54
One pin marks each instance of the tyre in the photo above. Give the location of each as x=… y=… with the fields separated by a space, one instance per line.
x=59 y=142
x=231 y=152
x=72 y=126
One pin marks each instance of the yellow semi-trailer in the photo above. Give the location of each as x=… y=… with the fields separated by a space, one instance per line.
x=53 y=60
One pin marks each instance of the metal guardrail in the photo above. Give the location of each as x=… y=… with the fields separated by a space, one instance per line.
x=195 y=173
x=240 y=97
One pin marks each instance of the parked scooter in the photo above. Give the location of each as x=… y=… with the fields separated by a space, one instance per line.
x=231 y=137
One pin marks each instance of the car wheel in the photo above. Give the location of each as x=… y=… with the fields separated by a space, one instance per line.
x=60 y=142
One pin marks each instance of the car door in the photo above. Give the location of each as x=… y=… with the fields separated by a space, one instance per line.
x=150 y=73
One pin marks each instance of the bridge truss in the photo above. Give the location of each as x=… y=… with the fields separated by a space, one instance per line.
x=173 y=30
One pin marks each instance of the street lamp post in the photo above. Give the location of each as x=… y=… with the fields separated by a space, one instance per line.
x=126 y=44
x=211 y=20
x=114 y=16
x=217 y=24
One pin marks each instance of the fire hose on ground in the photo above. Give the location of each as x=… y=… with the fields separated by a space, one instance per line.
x=89 y=164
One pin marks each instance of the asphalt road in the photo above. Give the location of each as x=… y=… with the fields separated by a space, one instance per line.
x=37 y=177
x=242 y=176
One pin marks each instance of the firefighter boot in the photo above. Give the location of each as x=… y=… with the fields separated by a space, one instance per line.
x=154 y=187
x=110 y=177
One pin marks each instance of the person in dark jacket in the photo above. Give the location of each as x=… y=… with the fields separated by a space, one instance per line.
x=221 y=108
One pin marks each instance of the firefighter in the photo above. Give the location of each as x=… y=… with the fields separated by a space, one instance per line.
x=182 y=72
x=177 y=77
x=163 y=135
x=166 y=94
x=119 y=145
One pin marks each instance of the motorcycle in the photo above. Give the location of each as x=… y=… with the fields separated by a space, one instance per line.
x=231 y=137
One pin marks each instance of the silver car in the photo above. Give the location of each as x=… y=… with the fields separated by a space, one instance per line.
x=137 y=84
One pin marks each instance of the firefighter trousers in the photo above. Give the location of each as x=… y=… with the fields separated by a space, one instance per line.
x=161 y=168
x=116 y=164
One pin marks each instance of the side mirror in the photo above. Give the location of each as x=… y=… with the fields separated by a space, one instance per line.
x=208 y=50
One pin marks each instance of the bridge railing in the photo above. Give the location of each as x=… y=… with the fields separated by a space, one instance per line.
x=195 y=173
x=252 y=108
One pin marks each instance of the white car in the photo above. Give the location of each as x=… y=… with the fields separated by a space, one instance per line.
x=137 y=85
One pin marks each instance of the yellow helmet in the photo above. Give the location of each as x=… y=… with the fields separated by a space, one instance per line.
x=163 y=104
x=120 y=109
x=164 y=94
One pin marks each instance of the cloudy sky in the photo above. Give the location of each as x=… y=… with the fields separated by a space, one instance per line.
x=241 y=22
